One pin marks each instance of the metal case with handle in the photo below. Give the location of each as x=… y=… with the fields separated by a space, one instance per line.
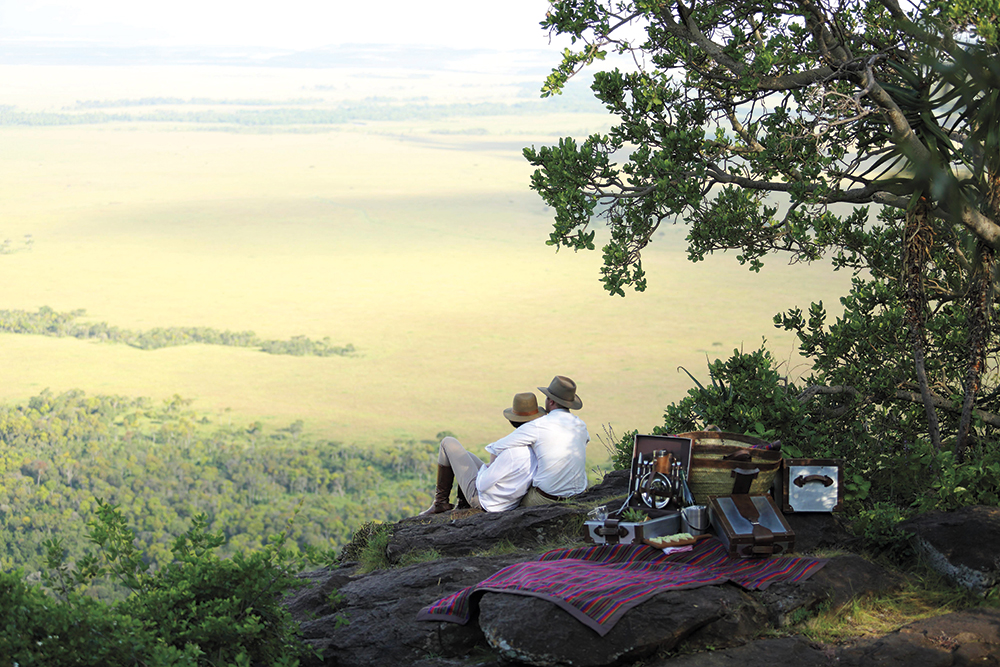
x=750 y=526
x=811 y=485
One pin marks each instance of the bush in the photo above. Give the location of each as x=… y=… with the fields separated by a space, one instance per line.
x=621 y=453
x=198 y=610
x=747 y=395
x=879 y=529
x=368 y=546
x=37 y=630
x=923 y=479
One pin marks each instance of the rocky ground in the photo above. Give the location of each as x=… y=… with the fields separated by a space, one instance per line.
x=358 y=619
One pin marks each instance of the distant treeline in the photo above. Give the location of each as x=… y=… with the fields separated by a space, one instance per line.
x=48 y=322
x=8 y=247
x=368 y=110
x=203 y=101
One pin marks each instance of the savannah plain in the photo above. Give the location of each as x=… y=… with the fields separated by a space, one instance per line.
x=417 y=240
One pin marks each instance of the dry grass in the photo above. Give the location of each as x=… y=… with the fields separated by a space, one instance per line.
x=425 y=251
x=925 y=594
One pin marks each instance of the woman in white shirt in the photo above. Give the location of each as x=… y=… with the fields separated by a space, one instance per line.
x=495 y=486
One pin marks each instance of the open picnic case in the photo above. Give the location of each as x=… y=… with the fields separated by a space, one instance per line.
x=715 y=478
x=657 y=483
x=659 y=463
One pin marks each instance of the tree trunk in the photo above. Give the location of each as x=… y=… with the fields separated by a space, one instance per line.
x=980 y=304
x=917 y=242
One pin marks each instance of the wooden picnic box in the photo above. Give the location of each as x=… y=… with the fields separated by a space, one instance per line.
x=750 y=526
x=615 y=531
x=715 y=455
x=811 y=485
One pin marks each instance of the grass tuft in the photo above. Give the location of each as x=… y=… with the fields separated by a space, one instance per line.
x=925 y=594
x=414 y=557
x=502 y=547
x=368 y=547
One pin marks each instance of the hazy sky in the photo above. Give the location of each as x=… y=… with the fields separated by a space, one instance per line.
x=286 y=24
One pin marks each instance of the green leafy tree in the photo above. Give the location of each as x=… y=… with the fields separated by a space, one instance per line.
x=199 y=610
x=866 y=132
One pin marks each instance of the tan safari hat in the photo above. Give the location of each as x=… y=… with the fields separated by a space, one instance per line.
x=524 y=409
x=562 y=390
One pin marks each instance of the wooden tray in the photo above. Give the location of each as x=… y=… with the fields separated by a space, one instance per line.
x=675 y=543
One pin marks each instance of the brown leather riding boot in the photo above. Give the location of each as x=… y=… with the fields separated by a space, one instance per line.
x=445 y=478
x=462 y=503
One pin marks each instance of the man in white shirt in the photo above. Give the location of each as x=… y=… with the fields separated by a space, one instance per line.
x=559 y=440
x=495 y=486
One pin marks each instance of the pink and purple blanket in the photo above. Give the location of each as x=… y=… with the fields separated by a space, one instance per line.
x=598 y=584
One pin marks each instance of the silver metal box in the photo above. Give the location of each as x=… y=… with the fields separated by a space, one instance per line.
x=811 y=485
x=615 y=531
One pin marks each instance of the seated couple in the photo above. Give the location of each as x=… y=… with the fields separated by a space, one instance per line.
x=542 y=461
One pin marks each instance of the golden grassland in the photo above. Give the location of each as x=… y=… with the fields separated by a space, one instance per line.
x=424 y=250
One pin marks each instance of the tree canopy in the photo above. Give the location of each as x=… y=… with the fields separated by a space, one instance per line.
x=866 y=132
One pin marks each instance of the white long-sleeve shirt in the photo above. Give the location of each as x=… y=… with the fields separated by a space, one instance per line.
x=559 y=440
x=503 y=483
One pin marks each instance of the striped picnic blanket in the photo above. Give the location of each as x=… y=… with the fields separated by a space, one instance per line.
x=598 y=584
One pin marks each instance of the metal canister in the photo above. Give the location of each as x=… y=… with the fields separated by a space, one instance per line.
x=664 y=462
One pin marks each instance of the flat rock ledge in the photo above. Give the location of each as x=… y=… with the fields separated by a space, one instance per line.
x=356 y=619
x=962 y=638
x=352 y=617
x=465 y=532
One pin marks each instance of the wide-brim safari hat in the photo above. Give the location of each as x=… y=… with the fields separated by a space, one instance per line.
x=562 y=390
x=524 y=409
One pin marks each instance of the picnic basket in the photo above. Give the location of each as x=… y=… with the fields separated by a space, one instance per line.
x=715 y=455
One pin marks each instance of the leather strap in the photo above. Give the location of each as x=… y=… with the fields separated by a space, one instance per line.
x=548 y=495
x=763 y=538
x=746 y=508
x=802 y=480
x=611 y=531
x=744 y=478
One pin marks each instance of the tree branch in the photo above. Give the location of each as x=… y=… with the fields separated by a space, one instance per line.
x=901 y=394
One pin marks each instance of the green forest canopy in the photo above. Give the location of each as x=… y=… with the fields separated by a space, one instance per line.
x=163 y=464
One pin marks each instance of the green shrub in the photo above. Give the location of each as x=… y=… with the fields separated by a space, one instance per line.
x=36 y=629
x=746 y=395
x=879 y=528
x=373 y=554
x=368 y=546
x=621 y=454
x=198 y=610
x=924 y=479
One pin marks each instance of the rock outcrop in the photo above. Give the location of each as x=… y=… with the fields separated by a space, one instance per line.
x=953 y=640
x=354 y=617
x=465 y=532
x=953 y=544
